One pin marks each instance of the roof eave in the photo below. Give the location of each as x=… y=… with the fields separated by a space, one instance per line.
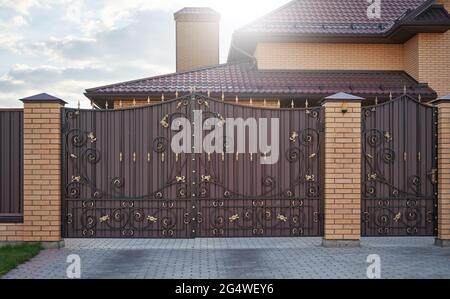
x=396 y=35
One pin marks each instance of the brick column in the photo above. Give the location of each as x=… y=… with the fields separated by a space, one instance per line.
x=342 y=192
x=443 y=105
x=42 y=175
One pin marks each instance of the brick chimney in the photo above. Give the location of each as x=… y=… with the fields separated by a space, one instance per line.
x=197 y=34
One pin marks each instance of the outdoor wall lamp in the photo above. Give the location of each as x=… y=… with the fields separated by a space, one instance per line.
x=344 y=107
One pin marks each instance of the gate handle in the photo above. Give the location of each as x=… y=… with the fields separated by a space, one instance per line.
x=433 y=174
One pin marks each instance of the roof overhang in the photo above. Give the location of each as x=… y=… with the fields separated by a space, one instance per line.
x=402 y=30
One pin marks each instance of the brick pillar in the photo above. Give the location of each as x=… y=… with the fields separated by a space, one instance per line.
x=342 y=192
x=443 y=105
x=42 y=175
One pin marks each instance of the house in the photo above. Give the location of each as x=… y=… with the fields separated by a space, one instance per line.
x=304 y=51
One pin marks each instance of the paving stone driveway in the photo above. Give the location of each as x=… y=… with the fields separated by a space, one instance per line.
x=240 y=258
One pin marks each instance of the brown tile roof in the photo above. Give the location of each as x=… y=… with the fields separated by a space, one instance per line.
x=245 y=79
x=340 y=21
x=332 y=16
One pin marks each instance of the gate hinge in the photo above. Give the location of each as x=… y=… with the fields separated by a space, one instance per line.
x=322 y=127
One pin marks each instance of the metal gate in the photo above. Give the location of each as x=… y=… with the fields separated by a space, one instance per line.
x=121 y=178
x=399 y=183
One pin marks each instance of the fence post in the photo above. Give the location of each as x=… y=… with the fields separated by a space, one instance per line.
x=443 y=154
x=42 y=170
x=342 y=192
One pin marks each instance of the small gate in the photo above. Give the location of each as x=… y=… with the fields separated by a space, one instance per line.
x=121 y=178
x=399 y=169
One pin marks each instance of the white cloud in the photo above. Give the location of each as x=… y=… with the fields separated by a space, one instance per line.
x=8 y=41
x=20 y=6
x=67 y=83
x=65 y=46
x=129 y=45
x=13 y=23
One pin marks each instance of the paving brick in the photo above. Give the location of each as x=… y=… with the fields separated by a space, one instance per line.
x=263 y=258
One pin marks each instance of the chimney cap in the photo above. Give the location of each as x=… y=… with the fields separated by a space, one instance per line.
x=197 y=14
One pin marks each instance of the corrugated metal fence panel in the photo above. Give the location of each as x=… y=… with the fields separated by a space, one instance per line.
x=399 y=166
x=11 y=165
x=122 y=179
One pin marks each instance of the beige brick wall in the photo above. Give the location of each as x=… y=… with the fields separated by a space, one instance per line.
x=42 y=176
x=426 y=57
x=342 y=192
x=444 y=171
x=434 y=61
x=270 y=103
x=197 y=44
x=128 y=103
x=446 y=3
x=411 y=57
x=329 y=56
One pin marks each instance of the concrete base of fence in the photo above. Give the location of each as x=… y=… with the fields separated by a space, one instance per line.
x=45 y=245
x=341 y=243
x=442 y=243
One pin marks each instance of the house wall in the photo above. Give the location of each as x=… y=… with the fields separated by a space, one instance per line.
x=410 y=59
x=270 y=103
x=426 y=57
x=434 y=61
x=329 y=56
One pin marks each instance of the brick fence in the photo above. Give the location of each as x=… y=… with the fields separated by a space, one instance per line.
x=342 y=182
x=41 y=176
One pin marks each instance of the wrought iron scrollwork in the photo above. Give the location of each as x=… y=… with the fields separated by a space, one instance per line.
x=397 y=193
x=106 y=197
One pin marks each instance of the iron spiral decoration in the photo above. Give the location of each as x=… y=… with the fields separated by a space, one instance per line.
x=398 y=194
x=105 y=197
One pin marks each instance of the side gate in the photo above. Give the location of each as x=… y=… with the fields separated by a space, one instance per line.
x=121 y=178
x=399 y=169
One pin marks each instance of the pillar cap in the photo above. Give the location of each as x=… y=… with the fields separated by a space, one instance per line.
x=43 y=98
x=342 y=96
x=441 y=100
x=192 y=14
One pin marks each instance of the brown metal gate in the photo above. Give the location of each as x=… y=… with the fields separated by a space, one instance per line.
x=121 y=178
x=399 y=182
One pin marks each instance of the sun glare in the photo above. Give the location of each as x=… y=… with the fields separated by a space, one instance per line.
x=245 y=11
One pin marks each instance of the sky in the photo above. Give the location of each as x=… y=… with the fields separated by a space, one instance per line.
x=63 y=47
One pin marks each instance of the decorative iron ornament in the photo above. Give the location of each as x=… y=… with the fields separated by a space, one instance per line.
x=167 y=195
x=398 y=195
